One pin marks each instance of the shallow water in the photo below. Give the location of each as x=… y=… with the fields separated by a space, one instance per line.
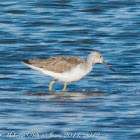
x=103 y=105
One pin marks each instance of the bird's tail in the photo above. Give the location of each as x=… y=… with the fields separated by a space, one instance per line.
x=26 y=62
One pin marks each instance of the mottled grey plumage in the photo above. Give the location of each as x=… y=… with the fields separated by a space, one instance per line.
x=58 y=64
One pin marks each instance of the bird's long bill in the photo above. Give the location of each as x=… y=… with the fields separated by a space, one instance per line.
x=108 y=66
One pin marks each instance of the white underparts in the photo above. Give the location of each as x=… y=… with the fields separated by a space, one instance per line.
x=74 y=74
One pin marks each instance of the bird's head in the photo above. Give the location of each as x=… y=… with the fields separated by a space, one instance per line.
x=96 y=57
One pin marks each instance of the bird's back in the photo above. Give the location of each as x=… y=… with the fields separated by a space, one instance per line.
x=56 y=64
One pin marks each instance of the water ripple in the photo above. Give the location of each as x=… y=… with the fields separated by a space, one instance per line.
x=103 y=105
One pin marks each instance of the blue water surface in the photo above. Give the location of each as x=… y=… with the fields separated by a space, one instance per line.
x=103 y=105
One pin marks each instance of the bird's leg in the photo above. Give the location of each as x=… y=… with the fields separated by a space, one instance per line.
x=50 y=86
x=65 y=85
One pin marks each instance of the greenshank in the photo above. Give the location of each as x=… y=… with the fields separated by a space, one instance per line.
x=66 y=69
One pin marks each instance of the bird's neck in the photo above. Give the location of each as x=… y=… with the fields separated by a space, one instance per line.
x=89 y=63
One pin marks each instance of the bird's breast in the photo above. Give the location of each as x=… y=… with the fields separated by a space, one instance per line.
x=74 y=74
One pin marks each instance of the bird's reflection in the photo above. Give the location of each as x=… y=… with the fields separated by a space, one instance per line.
x=69 y=95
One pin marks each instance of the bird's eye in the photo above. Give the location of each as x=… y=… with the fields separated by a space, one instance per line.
x=100 y=56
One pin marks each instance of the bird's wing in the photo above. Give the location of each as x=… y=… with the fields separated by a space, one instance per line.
x=56 y=64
